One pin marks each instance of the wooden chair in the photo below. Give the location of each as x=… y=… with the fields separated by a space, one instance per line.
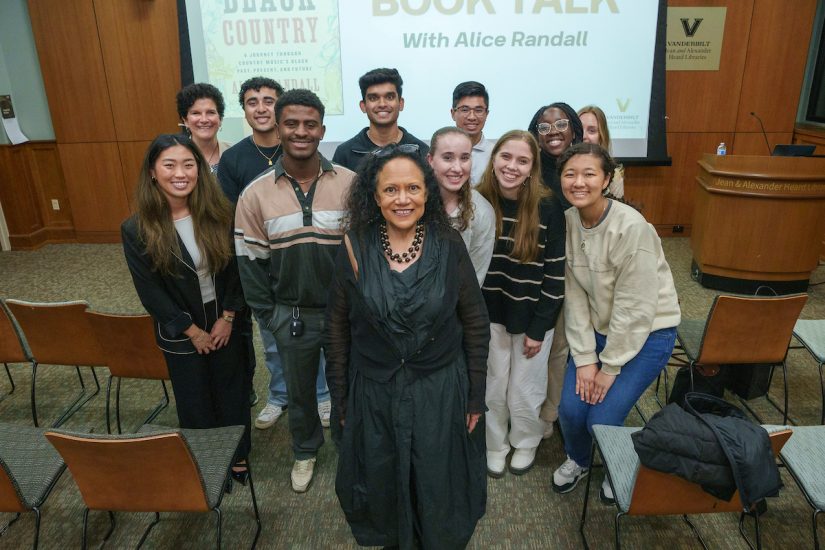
x=640 y=491
x=128 y=342
x=12 y=349
x=804 y=456
x=29 y=469
x=59 y=333
x=743 y=330
x=153 y=471
x=811 y=334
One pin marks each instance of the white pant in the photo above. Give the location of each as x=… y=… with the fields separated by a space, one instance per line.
x=516 y=389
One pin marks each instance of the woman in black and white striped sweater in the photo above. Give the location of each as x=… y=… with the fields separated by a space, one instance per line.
x=524 y=291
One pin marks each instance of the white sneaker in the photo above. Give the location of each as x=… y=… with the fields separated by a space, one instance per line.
x=548 y=430
x=522 y=460
x=268 y=416
x=567 y=476
x=496 y=463
x=301 y=475
x=606 y=493
x=324 y=410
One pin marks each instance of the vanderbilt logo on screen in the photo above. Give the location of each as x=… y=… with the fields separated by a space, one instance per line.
x=623 y=105
x=690 y=29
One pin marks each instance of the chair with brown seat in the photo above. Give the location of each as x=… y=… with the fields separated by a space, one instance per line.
x=743 y=330
x=58 y=333
x=29 y=469
x=12 y=349
x=157 y=470
x=640 y=491
x=128 y=342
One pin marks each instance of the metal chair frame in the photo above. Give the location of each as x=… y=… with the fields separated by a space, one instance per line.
x=778 y=439
x=793 y=304
x=84 y=395
x=135 y=356
x=804 y=345
x=170 y=444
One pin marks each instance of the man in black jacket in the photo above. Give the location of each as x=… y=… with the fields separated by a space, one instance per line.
x=382 y=102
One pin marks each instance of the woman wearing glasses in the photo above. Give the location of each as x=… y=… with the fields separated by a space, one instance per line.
x=406 y=341
x=556 y=127
x=524 y=290
x=470 y=214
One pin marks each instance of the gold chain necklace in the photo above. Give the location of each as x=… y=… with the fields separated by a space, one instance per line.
x=268 y=158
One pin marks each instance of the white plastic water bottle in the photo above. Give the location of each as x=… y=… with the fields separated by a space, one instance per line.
x=722 y=149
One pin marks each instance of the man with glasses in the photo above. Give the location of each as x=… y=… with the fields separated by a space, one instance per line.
x=287 y=232
x=382 y=102
x=470 y=108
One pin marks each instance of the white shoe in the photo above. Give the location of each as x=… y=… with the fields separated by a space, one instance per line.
x=324 y=410
x=301 y=474
x=606 y=493
x=548 y=430
x=268 y=416
x=496 y=463
x=522 y=460
x=567 y=476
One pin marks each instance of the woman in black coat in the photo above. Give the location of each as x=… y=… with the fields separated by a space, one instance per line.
x=179 y=251
x=406 y=346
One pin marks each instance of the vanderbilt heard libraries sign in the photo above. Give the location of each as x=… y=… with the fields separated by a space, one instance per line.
x=694 y=38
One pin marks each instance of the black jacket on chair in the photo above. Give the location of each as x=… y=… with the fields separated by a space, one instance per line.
x=712 y=443
x=175 y=302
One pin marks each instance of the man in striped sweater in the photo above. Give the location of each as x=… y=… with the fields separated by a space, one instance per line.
x=287 y=232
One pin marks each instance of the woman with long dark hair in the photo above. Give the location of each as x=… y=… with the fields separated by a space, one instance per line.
x=179 y=251
x=406 y=345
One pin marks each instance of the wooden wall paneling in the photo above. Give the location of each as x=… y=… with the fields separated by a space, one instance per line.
x=47 y=173
x=811 y=136
x=775 y=66
x=141 y=54
x=707 y=101
x=65 y=32
x=666 y=194
x=750 y=143
x=94 y=181
x=17 y=194
x=131 y=159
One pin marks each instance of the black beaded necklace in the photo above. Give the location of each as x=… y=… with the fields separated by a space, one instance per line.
x=412 y=251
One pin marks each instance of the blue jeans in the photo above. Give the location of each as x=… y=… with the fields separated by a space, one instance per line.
x=578 y=417
x=277 y=382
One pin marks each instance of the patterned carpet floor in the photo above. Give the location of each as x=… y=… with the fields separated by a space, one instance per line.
x=522 y=512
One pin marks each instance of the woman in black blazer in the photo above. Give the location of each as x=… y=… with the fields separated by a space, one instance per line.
x=178 y=247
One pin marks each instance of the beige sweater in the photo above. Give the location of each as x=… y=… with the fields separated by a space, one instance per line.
x=618 y=283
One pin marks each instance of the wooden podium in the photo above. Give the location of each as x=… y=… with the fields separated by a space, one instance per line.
x=758 y=221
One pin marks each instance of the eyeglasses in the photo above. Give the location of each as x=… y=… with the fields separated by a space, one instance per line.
x=477 y=111
x=560 y=125
x=403 y=148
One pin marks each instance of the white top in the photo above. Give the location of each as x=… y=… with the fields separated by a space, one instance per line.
x=618 y=283
x=481 y=156
x=480 y=235
x=186 y=231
